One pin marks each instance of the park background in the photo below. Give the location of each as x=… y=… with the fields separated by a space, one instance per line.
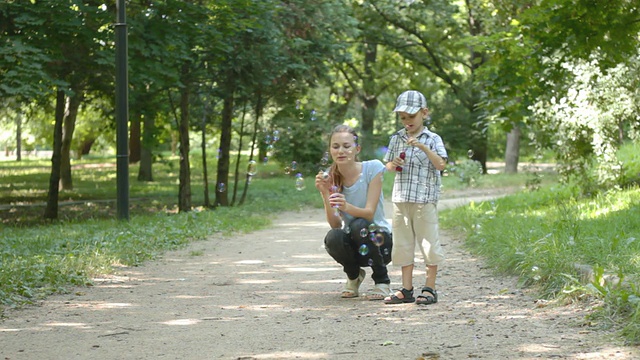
x=229 y=103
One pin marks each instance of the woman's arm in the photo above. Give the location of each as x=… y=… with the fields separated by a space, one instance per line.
x=373 y=196
x=322 y=184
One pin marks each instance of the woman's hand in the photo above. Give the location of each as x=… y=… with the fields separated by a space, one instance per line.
x=338 y=201
x=323 y=182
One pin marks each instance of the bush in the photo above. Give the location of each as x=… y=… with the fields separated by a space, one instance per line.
x=468 y=172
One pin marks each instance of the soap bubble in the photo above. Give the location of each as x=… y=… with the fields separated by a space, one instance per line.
x=299 y=182
x=363 y=250
x=377 y=239
x=324 y=161
x=221 y=187
x=252 y=168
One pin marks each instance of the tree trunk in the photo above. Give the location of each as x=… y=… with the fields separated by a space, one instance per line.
x=134 y=139
x=85 y=147
x=184 y=190
x=236 y=174
x=205 y=171
x=478 y=136
x=145 y=172
x=512 y=153
x=72 y=104
x=225 y=146
x=369 y=97
x=253 y=145
x=51 y=211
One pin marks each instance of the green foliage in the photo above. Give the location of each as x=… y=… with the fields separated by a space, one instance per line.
x=546 y=236
x=467 y=171
x=438 y=38
x=303 y=137
x=585 y=122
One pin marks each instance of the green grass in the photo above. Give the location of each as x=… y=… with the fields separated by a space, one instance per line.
x=95 y=181
x=548 y=237
x=38 y=258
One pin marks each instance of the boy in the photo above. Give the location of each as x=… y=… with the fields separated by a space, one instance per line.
x=417 y=156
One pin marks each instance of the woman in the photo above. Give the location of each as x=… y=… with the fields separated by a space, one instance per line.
x=360 y=235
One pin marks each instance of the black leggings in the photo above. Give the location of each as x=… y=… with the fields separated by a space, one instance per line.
x=347 y=249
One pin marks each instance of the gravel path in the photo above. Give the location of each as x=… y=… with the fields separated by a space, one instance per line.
x=274 y=294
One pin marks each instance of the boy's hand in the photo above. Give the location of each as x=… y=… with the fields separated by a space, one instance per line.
x=411 y=141
x=399 y=161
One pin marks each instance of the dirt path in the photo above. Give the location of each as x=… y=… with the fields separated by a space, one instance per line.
x=274 y=294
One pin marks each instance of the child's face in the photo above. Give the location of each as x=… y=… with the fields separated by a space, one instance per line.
x=343 y=147
x=412 y=122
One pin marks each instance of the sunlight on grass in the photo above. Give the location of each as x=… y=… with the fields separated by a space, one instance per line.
x=549 y=242
x=605 y=205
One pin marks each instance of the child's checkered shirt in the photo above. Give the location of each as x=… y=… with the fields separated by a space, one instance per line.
x=419 y=181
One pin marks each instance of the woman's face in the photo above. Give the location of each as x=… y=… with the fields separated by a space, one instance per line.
x=343 y=148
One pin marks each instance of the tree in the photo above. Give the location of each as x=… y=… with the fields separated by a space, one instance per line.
x=294 y=39
x=538 y=58
x=22 y=76
x=194 y=33
x=365 y=72
x=59 y=39
x=80 y=61
x=439 y=36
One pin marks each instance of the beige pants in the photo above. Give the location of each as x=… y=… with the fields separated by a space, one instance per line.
x=415 y=224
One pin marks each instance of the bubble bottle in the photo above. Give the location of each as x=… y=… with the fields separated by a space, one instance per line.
x=334 y=190
x=402 y=155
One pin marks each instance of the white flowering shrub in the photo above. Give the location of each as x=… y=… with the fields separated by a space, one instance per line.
x=587 y=121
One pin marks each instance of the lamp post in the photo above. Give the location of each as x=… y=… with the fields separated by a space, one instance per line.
x=122 y=113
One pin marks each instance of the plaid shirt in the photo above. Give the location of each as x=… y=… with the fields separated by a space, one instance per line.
x=419 y=181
